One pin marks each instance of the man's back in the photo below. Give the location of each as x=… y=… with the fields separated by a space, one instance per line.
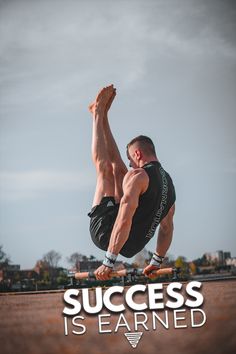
x=153 y=206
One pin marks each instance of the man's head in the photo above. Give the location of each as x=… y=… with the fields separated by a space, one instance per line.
x=140 y=150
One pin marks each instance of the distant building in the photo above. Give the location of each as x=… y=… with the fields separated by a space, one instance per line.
x=227 y=255
x=218 y=257
x=6 y=268
x=205 y=269
x=13 y=267
x=18 y=275
x=231 y=261
x=14 y=279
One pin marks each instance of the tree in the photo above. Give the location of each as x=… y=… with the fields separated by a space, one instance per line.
x=4 y=259
x=92 y=258
x=193 y=268
x=205 y=261
x=181 y=263
x=141 y=258
x=50 y=264
x=52 y=258
x=75 y=260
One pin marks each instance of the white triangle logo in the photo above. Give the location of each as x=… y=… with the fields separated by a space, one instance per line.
x=110 y=203
x=134 y=338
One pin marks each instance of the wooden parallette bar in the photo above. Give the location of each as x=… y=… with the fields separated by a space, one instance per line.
x=123 y=273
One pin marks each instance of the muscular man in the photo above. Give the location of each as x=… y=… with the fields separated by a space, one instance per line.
x=128 y=205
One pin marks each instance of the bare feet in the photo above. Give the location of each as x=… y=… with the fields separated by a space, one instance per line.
x=111 y=100
x=103 y=100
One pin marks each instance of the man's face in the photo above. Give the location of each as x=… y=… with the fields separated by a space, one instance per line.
x=133 y=156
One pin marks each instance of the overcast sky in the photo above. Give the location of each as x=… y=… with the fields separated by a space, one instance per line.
x=174 y=66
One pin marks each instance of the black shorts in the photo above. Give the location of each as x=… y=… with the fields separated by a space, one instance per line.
x=103 y=217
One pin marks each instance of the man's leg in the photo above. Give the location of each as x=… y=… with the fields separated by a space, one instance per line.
x=118 y=165
x=109 y=165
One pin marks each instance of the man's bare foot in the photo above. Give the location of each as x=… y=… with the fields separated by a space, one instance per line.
x=91 y=107
x=103 y=100
x=110 y=100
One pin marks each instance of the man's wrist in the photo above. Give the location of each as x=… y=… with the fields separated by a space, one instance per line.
x=156 y=260
x=109 y=259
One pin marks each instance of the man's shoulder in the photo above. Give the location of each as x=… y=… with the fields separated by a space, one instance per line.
x=139 y=173
x=137 y=177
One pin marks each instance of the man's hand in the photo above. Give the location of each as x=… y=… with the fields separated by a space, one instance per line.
x=103 y=272
x=148 y=271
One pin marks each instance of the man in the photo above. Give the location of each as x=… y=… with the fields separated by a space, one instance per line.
x=128 y=205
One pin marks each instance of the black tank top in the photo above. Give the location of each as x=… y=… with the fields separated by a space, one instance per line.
x=153 y=206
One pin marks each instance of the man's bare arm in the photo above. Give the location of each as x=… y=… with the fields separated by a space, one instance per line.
x=135 y=184
x=164 y=238
x=165 y=233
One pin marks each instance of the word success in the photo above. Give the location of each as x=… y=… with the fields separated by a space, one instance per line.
x=174 y=303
